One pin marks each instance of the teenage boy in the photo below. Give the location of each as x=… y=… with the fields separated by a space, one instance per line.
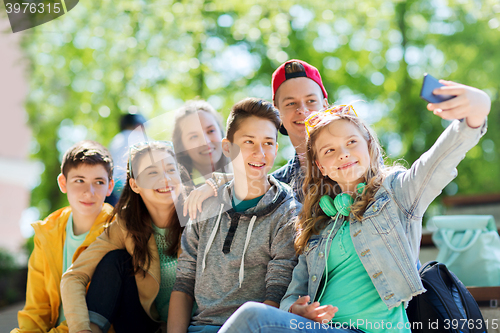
x=297 y=91
x=86 y=178
x=240 y=248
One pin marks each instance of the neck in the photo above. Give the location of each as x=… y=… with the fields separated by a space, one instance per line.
x=83 y=223
x=247 y=189
x=204 y=169
x=350 y=188
x=300 y=149
x=161 y=215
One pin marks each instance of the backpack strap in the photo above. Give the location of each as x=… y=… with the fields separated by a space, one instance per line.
x=451 y=299
x=472 y=311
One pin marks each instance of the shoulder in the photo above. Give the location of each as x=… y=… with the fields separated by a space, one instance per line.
x=56 y=220
x=210 y=208
x=392 y=175
x=107 y=210
x=289 y=202
x=284 y=174
x=114 y=230
x=104 y=219
x=288 y=208
x=280 y=173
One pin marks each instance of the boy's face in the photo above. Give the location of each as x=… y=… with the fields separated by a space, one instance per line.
x=86 y=187
x=295 y=99
x=253 y=149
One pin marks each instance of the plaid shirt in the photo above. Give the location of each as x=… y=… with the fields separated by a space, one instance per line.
x=292 y=174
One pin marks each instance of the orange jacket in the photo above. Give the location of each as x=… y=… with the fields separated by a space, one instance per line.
x=43 y=296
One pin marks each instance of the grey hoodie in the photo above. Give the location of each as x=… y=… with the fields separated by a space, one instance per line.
x=247 y=256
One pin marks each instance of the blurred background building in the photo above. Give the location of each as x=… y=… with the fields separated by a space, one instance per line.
x=17 y=173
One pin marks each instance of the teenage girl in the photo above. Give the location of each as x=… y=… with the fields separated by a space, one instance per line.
x=197 y=138
x=132 y=264
x=359 y=232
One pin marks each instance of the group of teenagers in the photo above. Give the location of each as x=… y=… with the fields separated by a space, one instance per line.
x=205 y=239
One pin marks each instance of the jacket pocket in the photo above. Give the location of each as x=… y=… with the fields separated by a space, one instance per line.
x=381 y=215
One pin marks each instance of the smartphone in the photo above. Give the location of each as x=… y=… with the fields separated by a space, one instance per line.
x=430 y=83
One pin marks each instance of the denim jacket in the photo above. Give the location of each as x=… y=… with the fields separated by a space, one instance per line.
x=387 y=239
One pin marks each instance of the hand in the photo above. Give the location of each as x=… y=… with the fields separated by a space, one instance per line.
x=470 y=103
x=195 y=200
x=313 y=311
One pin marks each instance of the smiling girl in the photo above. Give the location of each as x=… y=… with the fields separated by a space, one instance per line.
x=197 y=141
x=358 y=257
x=132 y=264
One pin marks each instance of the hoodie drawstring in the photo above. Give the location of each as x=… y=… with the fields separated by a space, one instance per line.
x=211 y=239
x=247 y=240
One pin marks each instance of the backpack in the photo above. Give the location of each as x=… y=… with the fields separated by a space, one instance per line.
x=446 y=306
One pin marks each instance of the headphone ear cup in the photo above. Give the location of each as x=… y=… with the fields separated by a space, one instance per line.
x=343 y=203
x=360 y=187
x=327 y=205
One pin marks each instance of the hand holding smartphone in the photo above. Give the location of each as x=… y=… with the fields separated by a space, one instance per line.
x=430 y=83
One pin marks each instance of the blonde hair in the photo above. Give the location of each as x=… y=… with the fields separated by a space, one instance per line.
x=312 y=219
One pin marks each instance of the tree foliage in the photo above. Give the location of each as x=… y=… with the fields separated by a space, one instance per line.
x=106 y=58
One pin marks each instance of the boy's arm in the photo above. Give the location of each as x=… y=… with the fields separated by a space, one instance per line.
x=36 y=314
x=182 y=297
x=283 y=258
x=179 y=312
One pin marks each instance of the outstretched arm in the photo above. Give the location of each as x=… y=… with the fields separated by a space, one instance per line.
x=470 y=103
x=416 y=188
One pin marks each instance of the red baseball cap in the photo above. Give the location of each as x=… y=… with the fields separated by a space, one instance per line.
x=311 y=72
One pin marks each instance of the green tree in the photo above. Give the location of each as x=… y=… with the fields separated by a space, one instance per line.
x=106 y=58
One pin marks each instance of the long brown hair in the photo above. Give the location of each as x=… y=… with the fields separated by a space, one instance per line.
x=131 y=210
x=189 y=108
x=312 y=219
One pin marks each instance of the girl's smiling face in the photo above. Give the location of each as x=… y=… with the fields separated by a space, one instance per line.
x=342 y=154
x=201 y=138
x=157 y=181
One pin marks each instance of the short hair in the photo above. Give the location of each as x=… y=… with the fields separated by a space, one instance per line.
x=131 y=121
x=251 y=107
x=87 y=152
